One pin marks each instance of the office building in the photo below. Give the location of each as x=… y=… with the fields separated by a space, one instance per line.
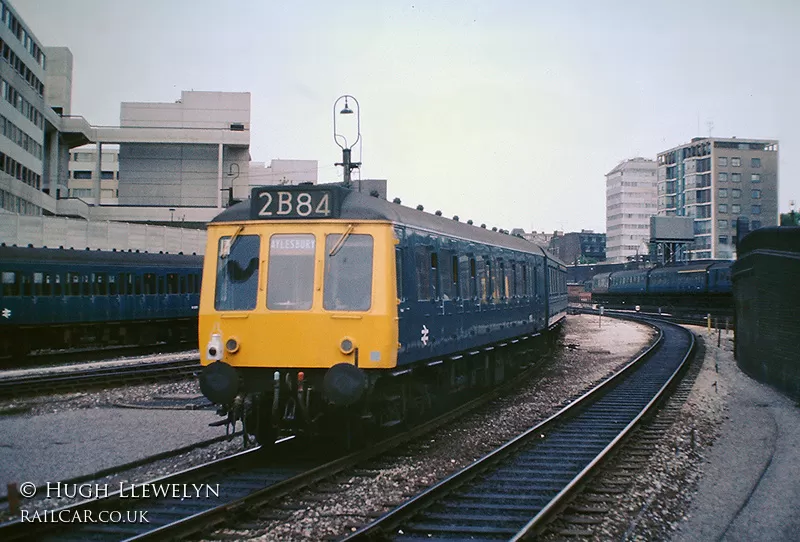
x=717 y=181
x=630 y=202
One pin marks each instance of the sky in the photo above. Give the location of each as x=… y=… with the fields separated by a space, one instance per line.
x=506 y=112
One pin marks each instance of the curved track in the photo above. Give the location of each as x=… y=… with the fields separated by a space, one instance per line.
x=511 y=493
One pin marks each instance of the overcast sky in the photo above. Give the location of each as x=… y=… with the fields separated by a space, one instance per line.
x=509 y=113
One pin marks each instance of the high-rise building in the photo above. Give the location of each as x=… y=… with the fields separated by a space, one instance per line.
x=630 y=202
x=22 y=115
x=717 y=181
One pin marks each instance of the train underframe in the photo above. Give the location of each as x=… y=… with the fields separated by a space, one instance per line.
x=19 y=341
x=275 y=403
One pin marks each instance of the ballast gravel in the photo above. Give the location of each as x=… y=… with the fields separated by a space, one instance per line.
x=591 y=351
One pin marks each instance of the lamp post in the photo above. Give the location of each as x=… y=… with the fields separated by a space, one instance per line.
x=346 y=162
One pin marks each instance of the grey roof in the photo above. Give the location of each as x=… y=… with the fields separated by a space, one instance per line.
x=360 y=206
x=62 y=256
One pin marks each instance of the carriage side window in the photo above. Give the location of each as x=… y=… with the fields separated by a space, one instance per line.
x=100 y=287
x=112 y=284
x=10 y=284
x=57 y=290
x=516 y=283
x=27 y=287
x=161 y=287
x=73 y=283
x=172 y=283
x=480 y=273
x=455 y=278
x=47 y=284
x=237 y=273
x=434 y=275
x=348 y=273
x=512 y=279
x=502 y=283
x=466 y=271
x=183 y=283
x=423 y=274
x=398 y=268
x=150 y=284
x=525 y=275
x=137 y=284
x=446 y=276
x=38 y=283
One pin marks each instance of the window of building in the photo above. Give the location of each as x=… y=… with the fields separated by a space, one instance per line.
x=723 y=192
x=736 y=161
x=755 y=162
x=82 y=174
x=107 y=175
x=755 y=209
x=722 y=161
x=722 y=177
x=736 y=177
x=736 y=193
x=755 y=177
x=723 y=208
x=723 y=239
x=722 y=224
x=755 y=224
x=736 y=208
x=755 y=194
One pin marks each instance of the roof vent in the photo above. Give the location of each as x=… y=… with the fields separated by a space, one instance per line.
x=455 y=218
x=469 y=222
x=397 y=201
x=374 y=193
x=438 y=213
x=420 y=208
x=483 y=226
x=494 y=229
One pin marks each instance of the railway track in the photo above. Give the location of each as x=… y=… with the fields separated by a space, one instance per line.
x=244 y=481
x=80 y=379
x=513 y=492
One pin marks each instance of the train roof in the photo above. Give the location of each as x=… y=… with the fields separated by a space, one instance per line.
x=360 y=206
x=60 y=255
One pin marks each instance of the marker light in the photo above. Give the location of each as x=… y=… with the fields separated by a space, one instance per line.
x=214 y=347
x=232 y=345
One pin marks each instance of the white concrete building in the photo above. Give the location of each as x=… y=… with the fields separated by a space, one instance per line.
x=631 y=199
x=290 y=172
x=82 y=162
x=186 y=153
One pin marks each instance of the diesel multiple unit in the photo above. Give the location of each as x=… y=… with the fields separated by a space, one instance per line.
x=322 y=304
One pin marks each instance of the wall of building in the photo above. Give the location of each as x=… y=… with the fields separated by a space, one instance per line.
x=631 y=193
x=82 y=165
x=22 y=114
x=79 y=234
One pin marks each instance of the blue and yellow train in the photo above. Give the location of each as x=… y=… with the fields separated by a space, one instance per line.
x=56 y=298
x=321 y=304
